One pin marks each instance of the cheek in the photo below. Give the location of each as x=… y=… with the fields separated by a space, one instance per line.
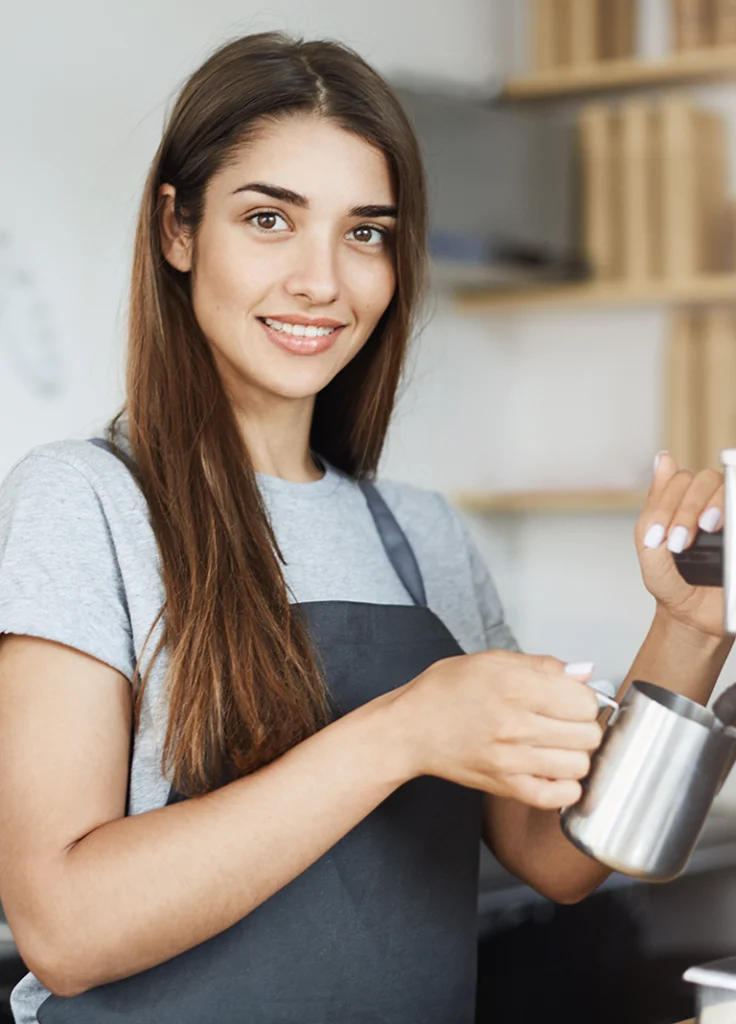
x=222 y=289
x=375 y=289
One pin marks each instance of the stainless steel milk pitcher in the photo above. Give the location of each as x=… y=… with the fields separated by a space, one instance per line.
x=651 y=784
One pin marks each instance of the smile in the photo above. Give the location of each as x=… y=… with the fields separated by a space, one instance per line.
x=300 y=339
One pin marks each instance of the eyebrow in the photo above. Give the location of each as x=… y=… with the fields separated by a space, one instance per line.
x=287 y=196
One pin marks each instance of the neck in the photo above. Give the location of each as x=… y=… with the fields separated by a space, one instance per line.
x=276 y=434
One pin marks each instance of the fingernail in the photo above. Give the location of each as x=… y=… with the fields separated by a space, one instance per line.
x=710 y=520
x=678 y=538
x=656 y=458
x=654 y=536
x=579 y=668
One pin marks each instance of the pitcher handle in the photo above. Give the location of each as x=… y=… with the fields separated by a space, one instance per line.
x=599 y=688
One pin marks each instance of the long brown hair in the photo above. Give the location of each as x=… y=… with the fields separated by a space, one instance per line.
x=243 y=683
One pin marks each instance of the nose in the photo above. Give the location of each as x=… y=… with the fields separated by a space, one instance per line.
x=315 y=273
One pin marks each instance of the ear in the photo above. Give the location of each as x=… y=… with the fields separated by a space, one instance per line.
x=176 y=242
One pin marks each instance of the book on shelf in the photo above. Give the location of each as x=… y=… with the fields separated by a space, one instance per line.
x=601 y=234
x=640 y=256
x=718 y=376
x=727 y=237
x=562 y=32
x=678 y=159
x=724 y=22
x=692 y=22
x=712 y=188
x=583 y=26
x=544 y=34
x=683 y=390
x=617 y=29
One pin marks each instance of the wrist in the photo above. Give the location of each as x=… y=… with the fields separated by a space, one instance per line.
x=670 y=628
x=387 y=727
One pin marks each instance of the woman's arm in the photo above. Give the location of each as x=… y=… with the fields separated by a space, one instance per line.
x=530 y=842
x=92 y=896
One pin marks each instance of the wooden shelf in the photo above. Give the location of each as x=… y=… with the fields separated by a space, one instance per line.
x=595 y=502
x=701 y=65
x=692 y=292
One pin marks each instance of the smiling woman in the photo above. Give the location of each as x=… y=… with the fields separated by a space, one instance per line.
x=318 y=250
x=256 y=709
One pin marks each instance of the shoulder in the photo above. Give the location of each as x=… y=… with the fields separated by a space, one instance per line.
x=67 y=471
x=68 y=493
x=70 y=459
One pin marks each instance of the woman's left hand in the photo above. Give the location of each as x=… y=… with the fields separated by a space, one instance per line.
x=679 y=502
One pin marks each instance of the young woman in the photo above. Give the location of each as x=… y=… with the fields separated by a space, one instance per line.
x=256 y=711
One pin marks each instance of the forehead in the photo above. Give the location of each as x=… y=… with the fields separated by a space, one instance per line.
x=331 y=167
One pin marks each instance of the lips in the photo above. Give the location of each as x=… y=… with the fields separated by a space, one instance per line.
x=299 y=345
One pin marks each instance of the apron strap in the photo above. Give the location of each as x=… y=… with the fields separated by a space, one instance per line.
x=100 y=442
x=393 y=538
x=397 y=547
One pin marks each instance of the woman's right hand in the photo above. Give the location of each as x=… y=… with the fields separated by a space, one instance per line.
x=516 y=725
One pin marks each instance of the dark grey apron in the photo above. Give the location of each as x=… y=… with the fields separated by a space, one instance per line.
x=382 y=928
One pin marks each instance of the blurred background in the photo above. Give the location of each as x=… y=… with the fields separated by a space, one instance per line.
x=582 y=165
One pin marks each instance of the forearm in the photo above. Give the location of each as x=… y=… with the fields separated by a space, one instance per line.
x=680 y=658
x=530 y=842
x=137 y=891
x=531 y=845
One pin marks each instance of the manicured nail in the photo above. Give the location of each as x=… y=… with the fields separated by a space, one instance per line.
x=710 y=520
x=656 y=459
x=678 y=539
x=654 y=536
x=579 y=668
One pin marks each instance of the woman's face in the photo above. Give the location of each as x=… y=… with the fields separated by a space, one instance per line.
x=294 y=263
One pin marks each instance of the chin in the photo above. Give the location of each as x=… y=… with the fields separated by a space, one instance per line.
x=297 y=388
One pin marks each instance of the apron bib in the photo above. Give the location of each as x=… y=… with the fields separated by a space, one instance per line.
x=382 y=928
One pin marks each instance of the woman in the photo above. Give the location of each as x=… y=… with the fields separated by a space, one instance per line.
x=244 y=763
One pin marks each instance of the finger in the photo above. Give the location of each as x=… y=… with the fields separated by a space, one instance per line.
x=543 y=762
x=711 y=519
x=557 y=697
x=704 y=497
x=656 y=519
x=665 y=467
x=543 y=731
x=545 y=794
x=547 y=665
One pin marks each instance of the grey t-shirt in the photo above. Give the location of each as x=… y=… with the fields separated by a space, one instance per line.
x=79 y=565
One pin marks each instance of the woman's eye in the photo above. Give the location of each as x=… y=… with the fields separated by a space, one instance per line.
x=267 y=221
x=369 y=235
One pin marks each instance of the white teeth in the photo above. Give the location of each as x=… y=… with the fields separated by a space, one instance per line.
x=299 y=330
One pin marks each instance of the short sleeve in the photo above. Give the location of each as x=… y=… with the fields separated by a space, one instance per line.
x=59 y=575
x=498 y=635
